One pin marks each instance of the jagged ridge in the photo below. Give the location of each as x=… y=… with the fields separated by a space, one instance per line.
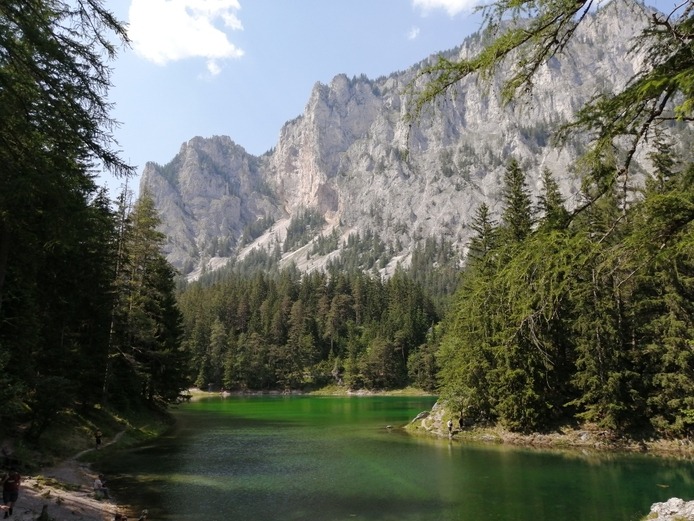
x=352 y=159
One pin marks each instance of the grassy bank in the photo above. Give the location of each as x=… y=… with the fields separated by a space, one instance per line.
x=72 y=432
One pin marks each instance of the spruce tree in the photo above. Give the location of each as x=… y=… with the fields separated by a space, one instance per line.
x=551 y=203
x=147 y=359
x=485 y=238
x=516 y=218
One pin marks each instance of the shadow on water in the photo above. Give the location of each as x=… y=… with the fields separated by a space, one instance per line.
x=248 y=503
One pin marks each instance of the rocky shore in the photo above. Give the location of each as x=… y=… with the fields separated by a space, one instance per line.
x=434 y=423
x=64 y=493
x=674 y=509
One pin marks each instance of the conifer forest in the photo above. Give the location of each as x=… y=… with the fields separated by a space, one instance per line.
x=554 y=314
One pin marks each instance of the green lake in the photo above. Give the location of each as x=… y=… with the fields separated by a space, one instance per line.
x=333 y=458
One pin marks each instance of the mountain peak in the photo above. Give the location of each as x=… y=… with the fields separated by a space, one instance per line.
x=353 y=164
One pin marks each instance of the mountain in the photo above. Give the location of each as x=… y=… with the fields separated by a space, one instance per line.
x=351 y=167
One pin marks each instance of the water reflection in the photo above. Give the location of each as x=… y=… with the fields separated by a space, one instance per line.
x=333 y=458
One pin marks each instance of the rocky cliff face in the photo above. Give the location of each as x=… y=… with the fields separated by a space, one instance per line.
x=205 y=197
x=353 y=159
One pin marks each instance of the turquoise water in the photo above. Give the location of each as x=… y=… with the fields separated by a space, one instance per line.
x=332 y=458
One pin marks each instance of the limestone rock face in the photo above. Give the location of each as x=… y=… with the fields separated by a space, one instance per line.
x=205 y=196
x=354 y=158
x=674 y=509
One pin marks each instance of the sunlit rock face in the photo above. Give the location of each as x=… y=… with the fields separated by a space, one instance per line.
x=674 y=509
x=354 y=157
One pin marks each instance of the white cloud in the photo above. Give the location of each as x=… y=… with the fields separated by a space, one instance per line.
x=213 y=68
x=164 y=31
x=452 y=7
x=414 y=32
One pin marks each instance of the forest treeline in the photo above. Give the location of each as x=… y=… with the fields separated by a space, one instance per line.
x=91 y=320
x=291 y=331
x=581 y=318
x=587 y=316
x=558 y=317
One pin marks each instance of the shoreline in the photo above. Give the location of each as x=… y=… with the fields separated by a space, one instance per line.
x=65 y=492
x=576 y=440
x=432 y=424
x=194 y=393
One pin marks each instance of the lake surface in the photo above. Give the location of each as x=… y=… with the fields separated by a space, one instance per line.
x=332 y=458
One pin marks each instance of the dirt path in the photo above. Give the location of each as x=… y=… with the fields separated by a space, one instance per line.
x=66 y=492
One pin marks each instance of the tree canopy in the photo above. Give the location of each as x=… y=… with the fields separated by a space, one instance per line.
x=291 y=331
x=586 y=315
x=62 y=245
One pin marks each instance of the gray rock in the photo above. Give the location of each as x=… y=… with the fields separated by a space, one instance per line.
x=674 y=509
x=353 y=157
x=421 y=416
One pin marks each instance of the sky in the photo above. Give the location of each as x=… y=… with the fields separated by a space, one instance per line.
x=242 y=68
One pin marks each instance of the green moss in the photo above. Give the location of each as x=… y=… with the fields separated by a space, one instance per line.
x=72 y=435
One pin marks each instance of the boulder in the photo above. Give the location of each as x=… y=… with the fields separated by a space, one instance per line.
x=674 y=509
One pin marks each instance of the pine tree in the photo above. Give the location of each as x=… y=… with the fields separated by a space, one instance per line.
x=56 y=227
x=662 y=243
x=54 y=121
x=602 y=294
x=485 y=238
x=148 y=361
x=551 y=204
x=516 y=218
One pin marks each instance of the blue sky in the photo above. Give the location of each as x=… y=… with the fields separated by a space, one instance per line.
x=243 y=68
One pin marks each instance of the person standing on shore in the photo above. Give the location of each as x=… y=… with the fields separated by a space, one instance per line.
x=97 y=438
x=10 y=490
x=100 y=488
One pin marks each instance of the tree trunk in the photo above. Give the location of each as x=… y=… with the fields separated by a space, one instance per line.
x=4 y=255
